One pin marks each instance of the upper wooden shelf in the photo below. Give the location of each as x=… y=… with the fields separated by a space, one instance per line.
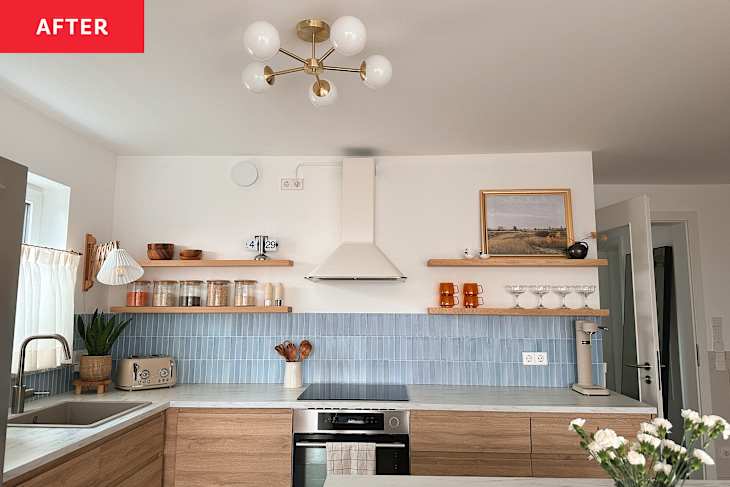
x=518 y=262
x=519 y=311
x=218 y=263
x=200 y=309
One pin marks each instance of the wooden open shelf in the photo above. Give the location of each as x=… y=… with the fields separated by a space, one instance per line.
x=200 y=309
x=519 y=312
x=218 y=263
x=517 y=262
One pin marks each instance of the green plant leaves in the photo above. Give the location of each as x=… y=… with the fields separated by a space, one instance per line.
x=100 y=333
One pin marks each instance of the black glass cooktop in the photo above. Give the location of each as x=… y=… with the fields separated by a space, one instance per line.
x=354 y=392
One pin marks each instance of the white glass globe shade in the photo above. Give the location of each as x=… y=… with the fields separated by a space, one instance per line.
x=348 y=35
x=324 y=94
x=261 y=40
x=255 y=77
x=377 y=71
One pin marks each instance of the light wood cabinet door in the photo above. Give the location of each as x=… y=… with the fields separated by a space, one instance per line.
x=231 y=448
x=476 y=464
x=565 y=466
x=130 y=452
x=148 y=476
x=550 y=433
x=470 y=432
x=80 y=471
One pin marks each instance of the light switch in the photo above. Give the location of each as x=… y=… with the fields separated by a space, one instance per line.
x=718 y=342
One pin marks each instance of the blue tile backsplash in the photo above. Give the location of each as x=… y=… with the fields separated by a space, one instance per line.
x=375 y=348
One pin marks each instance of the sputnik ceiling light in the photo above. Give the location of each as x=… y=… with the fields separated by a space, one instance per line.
x=348 y=36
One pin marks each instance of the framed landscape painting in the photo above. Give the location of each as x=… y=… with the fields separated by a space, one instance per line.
x=522 y=222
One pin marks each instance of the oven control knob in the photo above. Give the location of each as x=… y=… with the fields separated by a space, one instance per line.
x=394 y=422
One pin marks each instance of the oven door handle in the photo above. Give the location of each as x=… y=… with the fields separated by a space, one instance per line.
x=307 y=444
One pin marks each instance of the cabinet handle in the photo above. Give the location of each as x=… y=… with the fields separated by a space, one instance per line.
x=323 y=445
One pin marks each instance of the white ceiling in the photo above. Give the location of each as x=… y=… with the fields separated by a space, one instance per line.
x=645 y=84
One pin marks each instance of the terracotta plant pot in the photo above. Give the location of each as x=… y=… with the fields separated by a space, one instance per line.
x=93 y=367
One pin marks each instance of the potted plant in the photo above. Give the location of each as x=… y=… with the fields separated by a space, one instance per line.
x=653 y=459
x=98 y=335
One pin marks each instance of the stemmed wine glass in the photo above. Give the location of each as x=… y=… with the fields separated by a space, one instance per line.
x=562 y=291
x=585 y=291
x=516 y=290
x=540 y=291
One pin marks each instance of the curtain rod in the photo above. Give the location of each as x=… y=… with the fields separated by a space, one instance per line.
x=51 y=248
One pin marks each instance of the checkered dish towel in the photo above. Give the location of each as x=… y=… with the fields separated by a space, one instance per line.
x=344 y=458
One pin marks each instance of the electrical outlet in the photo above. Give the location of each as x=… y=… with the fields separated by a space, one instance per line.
x=292 y=184
x=725 y=452
x=541 y=358
x=528 y=358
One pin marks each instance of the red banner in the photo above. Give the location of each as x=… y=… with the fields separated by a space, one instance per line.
x=61 y=26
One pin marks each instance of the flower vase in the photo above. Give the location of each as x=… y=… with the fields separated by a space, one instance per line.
x=293 y=375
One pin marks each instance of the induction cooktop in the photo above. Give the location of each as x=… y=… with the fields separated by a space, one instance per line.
x=354 y=392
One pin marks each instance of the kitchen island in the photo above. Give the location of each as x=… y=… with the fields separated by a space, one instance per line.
x=406 y=481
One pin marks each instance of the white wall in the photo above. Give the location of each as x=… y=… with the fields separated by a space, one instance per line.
x=426 y=206
x=57 y=153
x=711 y=203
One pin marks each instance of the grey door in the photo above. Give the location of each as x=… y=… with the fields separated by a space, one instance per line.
x=12 y=211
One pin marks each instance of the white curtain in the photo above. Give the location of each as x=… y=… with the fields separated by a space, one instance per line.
x=45 y=304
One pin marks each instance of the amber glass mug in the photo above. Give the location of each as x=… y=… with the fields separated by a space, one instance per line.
x=448 y=289
x=473 y=301
x=473 y=289
x=448 y=301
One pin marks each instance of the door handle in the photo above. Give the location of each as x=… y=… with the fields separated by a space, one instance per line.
x=645 y=366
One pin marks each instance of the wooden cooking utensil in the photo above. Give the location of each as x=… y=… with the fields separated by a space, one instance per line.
x=280 y=350
x=305 y=348
x=291 y=352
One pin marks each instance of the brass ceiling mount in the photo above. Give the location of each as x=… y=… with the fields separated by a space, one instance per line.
x=313 y=66
x=313 y=29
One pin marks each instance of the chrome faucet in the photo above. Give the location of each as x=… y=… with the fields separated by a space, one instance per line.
x=20 y=392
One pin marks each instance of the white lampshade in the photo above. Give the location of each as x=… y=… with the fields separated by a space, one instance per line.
x=324 y=94
x=119 y=269
x=254 y=77
x=261 y=40
x=377 y=72
x=348 y=35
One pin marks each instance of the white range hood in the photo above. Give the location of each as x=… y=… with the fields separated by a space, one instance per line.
x=357 y=257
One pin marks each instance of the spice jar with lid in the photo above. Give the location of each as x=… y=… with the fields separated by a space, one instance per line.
x=138 y=293
x=164 y=293
x=218 y=293
x=191 y=293
x=245 y=293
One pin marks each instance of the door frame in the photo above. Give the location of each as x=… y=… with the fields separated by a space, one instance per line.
x=690 y=220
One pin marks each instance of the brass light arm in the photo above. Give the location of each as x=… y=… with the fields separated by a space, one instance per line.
x=339 y=68
x=285 y=71
x=292 y=55
x=314 y=45
x=326 y=54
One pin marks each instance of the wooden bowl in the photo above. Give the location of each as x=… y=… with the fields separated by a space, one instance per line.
x=160 y=251
x=191 y=254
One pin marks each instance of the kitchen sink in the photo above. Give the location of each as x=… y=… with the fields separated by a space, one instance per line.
x=75 y=414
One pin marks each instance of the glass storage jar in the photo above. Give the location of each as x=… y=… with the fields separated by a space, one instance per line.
x=138 y=293
x=191 y=293
x=245 y=293
x=218 y=293
x=164 y=293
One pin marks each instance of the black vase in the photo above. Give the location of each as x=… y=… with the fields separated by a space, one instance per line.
x=578 y=250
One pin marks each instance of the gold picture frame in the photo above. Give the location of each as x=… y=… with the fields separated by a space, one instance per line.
x=532 y=227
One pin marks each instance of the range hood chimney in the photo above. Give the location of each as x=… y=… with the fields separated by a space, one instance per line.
x=357 y=257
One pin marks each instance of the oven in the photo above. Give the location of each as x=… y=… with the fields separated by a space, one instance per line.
x=313 y=428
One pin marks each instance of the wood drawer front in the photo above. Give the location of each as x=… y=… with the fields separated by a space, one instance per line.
x=79 y=471
x=550 y=434
x=469 y=432
x=565 y=466
x=125 y=455
x=219 y=430
x=148 y=476
x=471 y=464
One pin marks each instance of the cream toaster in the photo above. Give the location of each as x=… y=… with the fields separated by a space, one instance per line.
x=146 y=372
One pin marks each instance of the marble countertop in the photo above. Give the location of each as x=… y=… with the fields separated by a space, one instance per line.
x=29 y=448
x=406 y=481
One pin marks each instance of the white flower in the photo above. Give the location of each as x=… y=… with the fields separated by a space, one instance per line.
x=649 y=440
x=661 y=467
x=636 y=458
x=605 y=439
x=662 y=423
x=577 y=422
x=702 y=456
x=671 y=446
x=649 y=429
x=691 y=416
x=682 y=450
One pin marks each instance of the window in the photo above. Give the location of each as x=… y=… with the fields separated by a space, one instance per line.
x=47 y=278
